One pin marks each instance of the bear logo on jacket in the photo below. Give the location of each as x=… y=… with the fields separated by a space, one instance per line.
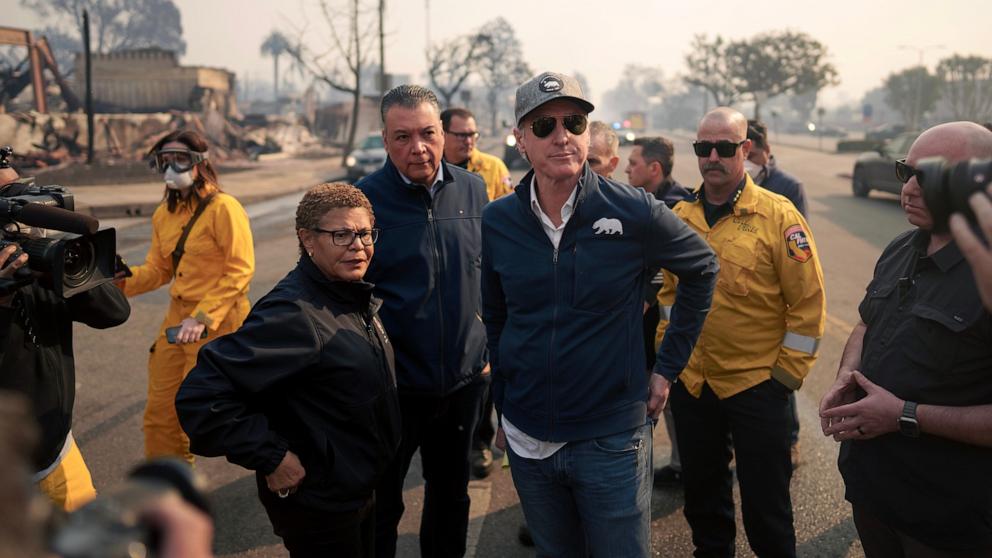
x=608 y=226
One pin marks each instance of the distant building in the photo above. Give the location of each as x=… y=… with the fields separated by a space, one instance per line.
x=151 y=80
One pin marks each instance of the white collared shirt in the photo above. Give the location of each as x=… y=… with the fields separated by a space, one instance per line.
x=522 y=443
x=553 y=232
x=433 y=189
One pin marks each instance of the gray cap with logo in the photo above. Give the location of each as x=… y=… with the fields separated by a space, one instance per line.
x=547 y=87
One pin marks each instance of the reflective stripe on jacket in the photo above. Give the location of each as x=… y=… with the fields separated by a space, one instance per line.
x=769 y=306
x=218 y=264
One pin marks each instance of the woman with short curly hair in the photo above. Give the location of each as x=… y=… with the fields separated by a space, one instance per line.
x=304 y=393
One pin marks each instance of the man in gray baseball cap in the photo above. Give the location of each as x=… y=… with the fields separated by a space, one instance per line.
x=563 y=273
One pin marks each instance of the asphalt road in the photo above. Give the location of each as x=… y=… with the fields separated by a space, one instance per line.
x=849 y=232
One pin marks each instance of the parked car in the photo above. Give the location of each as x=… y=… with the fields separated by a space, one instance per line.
x=885 y=132
x=875 y=170
x=368 y=158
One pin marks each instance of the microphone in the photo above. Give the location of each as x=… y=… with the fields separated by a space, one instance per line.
x=46 y=217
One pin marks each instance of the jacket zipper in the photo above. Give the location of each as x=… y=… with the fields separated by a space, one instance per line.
x=432 y=233
x=377 y=344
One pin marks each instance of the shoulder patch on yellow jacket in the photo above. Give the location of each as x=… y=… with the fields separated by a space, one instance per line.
x=797 y=243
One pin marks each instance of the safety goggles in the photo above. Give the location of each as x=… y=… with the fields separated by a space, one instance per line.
x=345 y=237
x=905 y=172
x=179 y=160
x=544 y=125
x=723 y=148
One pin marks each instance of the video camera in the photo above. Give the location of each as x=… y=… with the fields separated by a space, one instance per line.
x=947 y=187
x=111 y=525
x=65 y=248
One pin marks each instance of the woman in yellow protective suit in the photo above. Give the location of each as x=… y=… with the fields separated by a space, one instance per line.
x=209 y=273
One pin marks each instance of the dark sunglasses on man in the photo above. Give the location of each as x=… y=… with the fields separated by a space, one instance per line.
x=180 y=160
x=904 y=171
x=544 y=125
x=723 y=148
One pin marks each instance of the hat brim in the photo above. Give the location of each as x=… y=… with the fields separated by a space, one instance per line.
x=586 y=105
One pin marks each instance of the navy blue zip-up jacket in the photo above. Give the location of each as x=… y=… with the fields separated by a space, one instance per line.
x=565 y=325
x=426 y=271
x=783 y=183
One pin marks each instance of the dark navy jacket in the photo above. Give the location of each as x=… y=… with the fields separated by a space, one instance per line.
x=671 y=192
x=426 y=271
x=785 y=184
x=565 y=325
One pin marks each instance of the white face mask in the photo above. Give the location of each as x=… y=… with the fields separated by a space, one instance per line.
x=178 y=180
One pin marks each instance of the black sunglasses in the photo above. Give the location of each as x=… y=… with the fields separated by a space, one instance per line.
x=723 y=148
x=345 y=237
x=544 y=125
x=905 y=172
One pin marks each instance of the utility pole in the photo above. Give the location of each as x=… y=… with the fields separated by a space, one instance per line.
x=427 y=21
x=89 y=87
x=382 y=49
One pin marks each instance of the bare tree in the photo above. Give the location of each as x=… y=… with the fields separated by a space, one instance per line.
x=451 y=63
x=275 y=45
x=352 y=32
x=707 y=68
x=502 y=65
x=967 y=85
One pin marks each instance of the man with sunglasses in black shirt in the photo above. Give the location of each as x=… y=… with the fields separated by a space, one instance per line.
x=564 y=262
x=912 y=403
x=759 y=343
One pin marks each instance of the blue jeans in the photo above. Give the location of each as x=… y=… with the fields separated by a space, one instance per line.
x=591 y=498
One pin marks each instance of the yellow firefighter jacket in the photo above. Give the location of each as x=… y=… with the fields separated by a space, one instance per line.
x=218 y=263
x=768 y=308
x=493 y=171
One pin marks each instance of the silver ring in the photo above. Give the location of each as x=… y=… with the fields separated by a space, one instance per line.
x=862 y=432
x=283 y=493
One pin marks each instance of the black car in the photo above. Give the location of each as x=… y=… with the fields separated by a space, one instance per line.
x=875 y=170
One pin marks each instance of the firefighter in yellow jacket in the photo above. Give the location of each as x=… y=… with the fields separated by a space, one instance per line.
x=757 y=345
x=460 y=136
x=209 y=285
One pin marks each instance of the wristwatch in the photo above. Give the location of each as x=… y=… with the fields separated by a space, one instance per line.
x=908 y=425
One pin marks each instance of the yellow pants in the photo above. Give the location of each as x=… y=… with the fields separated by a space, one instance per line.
x=168 y=365
x=69 y=486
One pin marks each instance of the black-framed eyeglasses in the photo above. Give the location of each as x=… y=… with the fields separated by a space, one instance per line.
x=544 y=125
x=905 y=172
x=180 y=160
x=346 y=237
x=464 y=136
x=723 y=148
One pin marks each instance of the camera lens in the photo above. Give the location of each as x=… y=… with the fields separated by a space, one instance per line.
x=78 y=262
x=947 y=188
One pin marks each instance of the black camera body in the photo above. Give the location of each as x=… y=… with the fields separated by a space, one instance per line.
x=111 y=526
x=947 y=187
x=65 y=250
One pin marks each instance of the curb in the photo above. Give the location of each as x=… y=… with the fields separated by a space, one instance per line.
x=146 y=209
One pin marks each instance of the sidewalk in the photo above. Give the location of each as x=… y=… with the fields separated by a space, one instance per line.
x=262 y=181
